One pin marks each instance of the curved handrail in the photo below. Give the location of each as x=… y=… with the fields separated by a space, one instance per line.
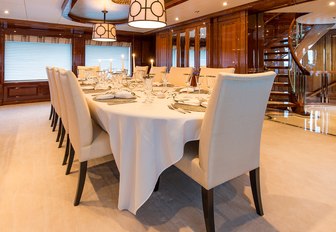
x=291 y=49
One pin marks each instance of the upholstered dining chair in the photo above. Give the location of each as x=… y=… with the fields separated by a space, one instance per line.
x=158 y=73
x=178 y=76
x=206 y=73
x=54 y=92
x=64 y=116
x=52 y=110
x=141 y=68
x=87 y=138
x=84 y=71
x=229 y=144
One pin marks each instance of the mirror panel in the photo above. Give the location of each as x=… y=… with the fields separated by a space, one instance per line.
x=174 y=50
x=183 y=49
x=192 y=48
x=203 y=50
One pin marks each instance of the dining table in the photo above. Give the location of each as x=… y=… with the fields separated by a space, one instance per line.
x=146 y=138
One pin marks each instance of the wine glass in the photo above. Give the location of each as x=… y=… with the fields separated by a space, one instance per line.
x=198 y=83
x=210 y=82
x=148 y=85
x=187 y=81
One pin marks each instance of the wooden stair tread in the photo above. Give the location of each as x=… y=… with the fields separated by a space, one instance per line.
x=275 y=53
x=281 y=104
x=277 y=67
x=280 y=46
x=279 y=93
x=278 y=59
x=280 y=83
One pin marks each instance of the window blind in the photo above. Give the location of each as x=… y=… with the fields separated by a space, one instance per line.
x=107 y=56
x=26 y=61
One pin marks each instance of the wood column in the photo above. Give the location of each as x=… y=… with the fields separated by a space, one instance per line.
x=78 y=52
x=2 y=63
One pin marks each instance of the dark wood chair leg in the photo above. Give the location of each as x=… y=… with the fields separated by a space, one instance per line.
x=157 y=185
x=60 y=125
x=255 y=185
x=71 y=158
x=55 y=121
x=62 y=136
x=53 y=118
x=208 y=209
x=81 y=182
x=51 y=111
x=67 y=150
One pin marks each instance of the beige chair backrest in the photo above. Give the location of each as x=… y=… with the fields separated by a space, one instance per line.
x=179 y=75
x=231 y=128
x=141 y=68
x=158 y=73
x=79 y=118
x=84 y=71
x=54 y=92
x=49 y=73
x=206 y=73
x=62 y=98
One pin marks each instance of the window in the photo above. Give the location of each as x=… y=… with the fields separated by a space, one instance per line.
x=108 y=57
x=26 y=61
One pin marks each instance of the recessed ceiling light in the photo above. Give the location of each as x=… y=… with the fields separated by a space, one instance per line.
x=224 y=3
x=177 y=19
x=332 y=3
x=6 y=12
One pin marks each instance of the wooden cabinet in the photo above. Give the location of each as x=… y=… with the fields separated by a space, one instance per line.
x=232 y=41
x=21 y=92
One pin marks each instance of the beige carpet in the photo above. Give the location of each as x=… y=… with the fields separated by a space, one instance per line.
x=297 y=173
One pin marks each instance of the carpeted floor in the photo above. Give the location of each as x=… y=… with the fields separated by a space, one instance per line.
x=297 y=174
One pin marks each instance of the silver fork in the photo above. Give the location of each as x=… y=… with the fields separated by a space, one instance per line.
x=180 y=109
x=173 y=108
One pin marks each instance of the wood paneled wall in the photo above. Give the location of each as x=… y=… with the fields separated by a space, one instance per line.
x=226 y=42
x=31 y=91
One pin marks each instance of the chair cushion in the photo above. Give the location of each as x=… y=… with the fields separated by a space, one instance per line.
x=100 y=145
x=189 y=164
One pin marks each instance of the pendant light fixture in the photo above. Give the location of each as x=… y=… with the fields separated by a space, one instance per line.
x=105 y=32
x=147 y=14
x=122 y=2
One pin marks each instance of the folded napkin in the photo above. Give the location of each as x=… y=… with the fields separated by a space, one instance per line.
x=87 y=87
x=105 y=96
x=124 y=94
x=204 y=104
x=188 y=90
x=89 y=82
x=192 y=102
x=102 y=87
x=157 y=83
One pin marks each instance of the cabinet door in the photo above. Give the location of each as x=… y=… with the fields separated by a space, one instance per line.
x=163 y=49
x=233 y=43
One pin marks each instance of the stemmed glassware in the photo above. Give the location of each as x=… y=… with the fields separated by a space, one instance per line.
x=164 y=81
x=148 y=85
x=187 y=81
x=210 y=82
x=198 y=83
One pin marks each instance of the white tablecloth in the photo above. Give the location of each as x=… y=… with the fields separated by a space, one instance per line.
x=146 y=138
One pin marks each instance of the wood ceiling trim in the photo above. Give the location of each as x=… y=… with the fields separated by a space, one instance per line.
x=68 y=5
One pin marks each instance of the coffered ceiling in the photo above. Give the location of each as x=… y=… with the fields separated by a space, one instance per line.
x=50 y=11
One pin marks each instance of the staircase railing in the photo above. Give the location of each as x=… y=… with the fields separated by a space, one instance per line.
x=297 y=73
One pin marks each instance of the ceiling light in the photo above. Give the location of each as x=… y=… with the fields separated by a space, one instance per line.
x=332 y=4
x=104 y=31
x=6 y=12
x=224 y=3
x=177 y=19
x=123 y=2
x=147 y=14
